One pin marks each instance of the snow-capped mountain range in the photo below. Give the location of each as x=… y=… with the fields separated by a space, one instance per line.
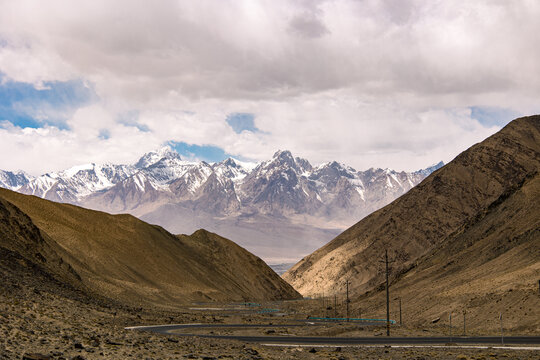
x=279 y=200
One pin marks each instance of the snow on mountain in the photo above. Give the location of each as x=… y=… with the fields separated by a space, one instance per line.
x=192 y=178
x=154 y=156
x=232 y=169
x=14 y=180
x=284 y=199
x=75 y=183
x=282 y=186
x=427 y=171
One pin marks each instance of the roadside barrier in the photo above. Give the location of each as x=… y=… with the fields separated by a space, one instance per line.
x=349 y=319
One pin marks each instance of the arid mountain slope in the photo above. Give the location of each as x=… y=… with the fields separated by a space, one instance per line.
x=24 y=246
x=430 y=215
x=129 y=260
x=489 y=266
x=232 y=267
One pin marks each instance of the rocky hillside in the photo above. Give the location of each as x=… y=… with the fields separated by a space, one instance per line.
x=27 y=252
x=489 y=265
x=472 y=225
x=282 y=200
x=128 y=260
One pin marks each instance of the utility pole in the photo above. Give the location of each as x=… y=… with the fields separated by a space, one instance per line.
x=387 y=292
x=387 y=296
x=347 y=300
x=502 y=335
x=450 y=318
x=400 y=320
x=464 y=330
x=335 y=306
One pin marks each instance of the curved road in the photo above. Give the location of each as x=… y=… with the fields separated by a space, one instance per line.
x=315 y=340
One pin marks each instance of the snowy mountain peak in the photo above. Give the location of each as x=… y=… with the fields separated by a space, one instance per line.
x=75 y=169
x=230 y=162
x=14 y=180
x=285 y=159
x=232 y=169
x=281 y=186
x=153 y=157
x=283 y=155
x=430 y=169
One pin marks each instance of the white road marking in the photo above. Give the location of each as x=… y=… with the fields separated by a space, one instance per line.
x=531 y=348
x=156 y=326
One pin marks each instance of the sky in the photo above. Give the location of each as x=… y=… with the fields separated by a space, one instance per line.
x=398 y=84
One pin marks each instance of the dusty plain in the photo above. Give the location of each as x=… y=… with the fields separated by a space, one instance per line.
x=35 y=324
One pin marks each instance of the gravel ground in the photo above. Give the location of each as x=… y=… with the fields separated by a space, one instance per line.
x=41 y=326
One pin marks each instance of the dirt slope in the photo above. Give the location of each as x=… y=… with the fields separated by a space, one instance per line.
x=490 y=265
x=453 y=201
x=129 y=260
x=25 y=253
x=210 y=248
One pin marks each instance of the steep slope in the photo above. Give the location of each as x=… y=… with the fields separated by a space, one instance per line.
x=210 y=248
x=432 y=213
x=489 y=266
x=124 y=258
x=24 y=246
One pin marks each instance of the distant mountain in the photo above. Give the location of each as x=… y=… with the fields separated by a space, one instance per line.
x=75 y=184
x=126 y=259
x=14 y=180
x=281 y=269
x=262 y=206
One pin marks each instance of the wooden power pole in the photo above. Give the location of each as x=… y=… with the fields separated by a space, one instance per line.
x=347 y=301
x=400 y=319
x=387 y=296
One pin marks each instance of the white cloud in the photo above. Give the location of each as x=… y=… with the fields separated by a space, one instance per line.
x=369 y=83
x=50 y=149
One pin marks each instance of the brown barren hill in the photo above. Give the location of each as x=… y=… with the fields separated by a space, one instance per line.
x=23 y=246
x=232 y=269
x=126 y=259
x=480 y=212
x=489 y=266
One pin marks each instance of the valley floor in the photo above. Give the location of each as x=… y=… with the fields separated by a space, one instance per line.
x=37 y=323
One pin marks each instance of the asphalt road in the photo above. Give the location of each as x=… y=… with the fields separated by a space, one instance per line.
x=315 y=340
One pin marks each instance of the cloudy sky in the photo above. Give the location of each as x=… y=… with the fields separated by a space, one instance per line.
x=397 y=83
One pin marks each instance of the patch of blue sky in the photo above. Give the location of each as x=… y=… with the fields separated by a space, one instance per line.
x=242 y=122
x=131 y=118
x=493 y=116
x=104 y=134
x=25 y=106
x=208 y=153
